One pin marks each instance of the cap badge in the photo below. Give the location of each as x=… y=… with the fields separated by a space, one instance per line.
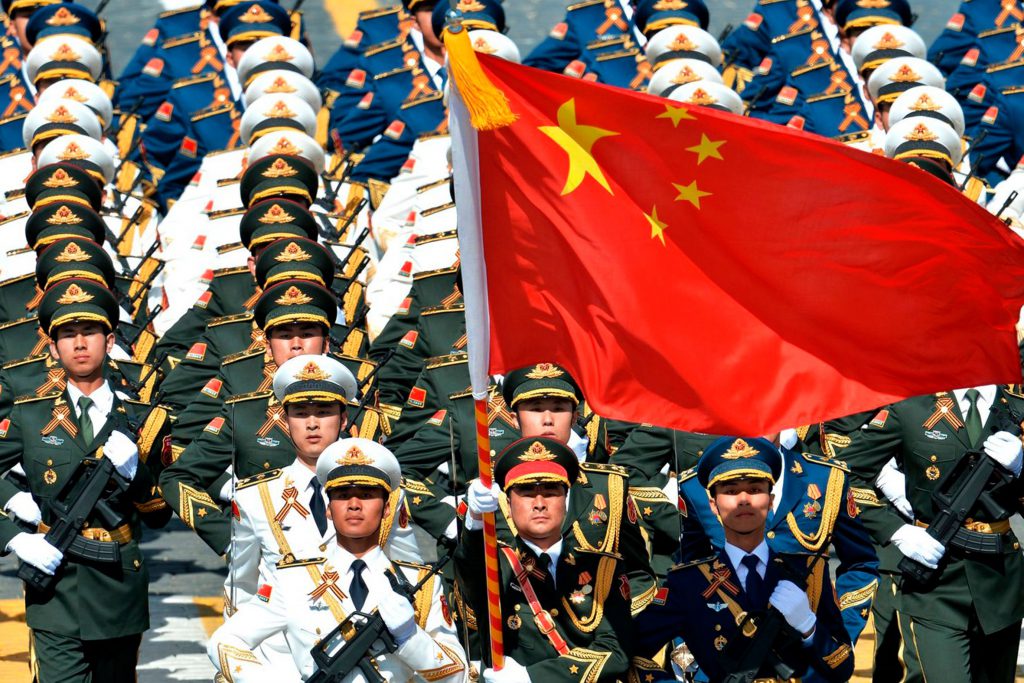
x=740 y=449
x=280 y=84
x=278 y=54
x=293 y=296
x=537 y=452
x=72 y=252
x=280 y=169
x=74 y=295
x=354 y=456
x=62 y=17
x=544 y=371
x=61 y=115
x=292 y=252
x=255 y=15
x=60 y=178
x=64 y=216
x=312 y=373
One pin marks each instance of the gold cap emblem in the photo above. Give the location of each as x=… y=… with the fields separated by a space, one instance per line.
x=280 y=110
x=888 y=42
x=682 y=44
x=61 y=115
x=64 y=216
x=292 y=252
x=686 y=75
x=279 y=85
x=702 y=97
x=278 y=54
x=312 y=373
x=293 y=296
x=74 y=295
x=925 y=103
x=285 y=146
x=905 y=74
x=60 y=178
x=544 y=371
x=740 y=449
x=255 y=15
x=537 y=452
x=64 y=53
x=72 y=253
x=275 y=215
x=62 y=17
x=921 y=133
x=354 y=456
x=72 y=152
x=482 y=46
x=72 y=94
x=280 y=169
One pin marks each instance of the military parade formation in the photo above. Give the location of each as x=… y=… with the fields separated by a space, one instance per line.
x=230 y=291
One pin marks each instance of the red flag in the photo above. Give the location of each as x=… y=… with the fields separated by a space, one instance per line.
x=709 y=272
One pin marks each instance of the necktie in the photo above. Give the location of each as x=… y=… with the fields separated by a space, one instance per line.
x=973 y=416
x=755 y=584
x=316 y=506
x=544 y=563
x=84 y=421
x=357 y=589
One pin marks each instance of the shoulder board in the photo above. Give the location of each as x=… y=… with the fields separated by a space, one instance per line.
x=260 y=478
x=24 y=361
x=136 y=402
x=220 y=272
x=411 y=565
x=31 y=398
x=852 y=138
x=632 y=53
x=693 y=563
x=1013 y=90
x=822 y=97
x=603 y=467
x=423 y=99
x=15 y=217
x=227 y=107
x=1004 y=66
x=225 y=182
x=383 y=47
x=13 y=152
x=688 y=474
x=434 y=273
x=434 y=310
x=436 y=209
x=192 y=80
x=822 y=460
x=241 y=355
x=228 y=248
x=289 y=561
x=393 y=72
x=218 y=152
x=19 y=321
x=251 y=396
x=433 y=135
x=581 y=5
x=450 y=359
x=997 y=31
x=182 y=40
x=437 y=237
x=17 y=252
x=226 y=319
x=812 y=67
x=377 y=13
x=15 y=194
x=461 y=394
x=11 y=119
x=180 y=10
x=787 y=36
x=620 y=41
x=224 y=213
x=430 y=186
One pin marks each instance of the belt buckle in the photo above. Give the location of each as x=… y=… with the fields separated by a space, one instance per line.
x=544 y=622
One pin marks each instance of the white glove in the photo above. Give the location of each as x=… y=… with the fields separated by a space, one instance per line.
x=512 y=672
x=226 y=489
x=123 y=453
x=24 y=507
x=788 y=438
x=35 y=550
x=917 y=544
x=480 y=499
x=398 y=615
x=792 y=602
x=1005 y=449
x=893 y=485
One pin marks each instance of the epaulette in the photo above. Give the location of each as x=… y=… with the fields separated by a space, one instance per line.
x=249 y=396
x=9 y=153
x=436 y=237
x=24 y=361
x=241 y=355
x=224 y=213
x=620 y=40
x=772 y=2
x=1004 y=66
x=192 y=80
x=366 y=15
x=181 y=40
x=604 y=467
x=998 y=31
x=234 y=270
x=434 y=310
x=433 y=96
x=461 y=394
x=437 y=209
x=795 y=34
x=14 y=194
x=17 y=216
x=687 y=474
x=259 y=478
x=821 y=97
x=30 y=398
x=808 y=68
x=19 y=251
x=212 y=111
x=416 y=486
x=180 y=10
x=228 y=248
x=581 y=5
x=693 y=563
x=225 y=319
x=383 y=47
x=393 y=72
x=224 y=182
x=632 y=53
x=1013 y=90
x=20 y=321
x=823 y=460
x=411 y=565
x=432 y=135
x=434 y=273
x=289 y=561
x=852 y=138
x=430 y=186
x=450 y=359
x=1016 y=390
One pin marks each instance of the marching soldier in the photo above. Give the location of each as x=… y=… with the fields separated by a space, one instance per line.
x=89 y=625
x=307 y=597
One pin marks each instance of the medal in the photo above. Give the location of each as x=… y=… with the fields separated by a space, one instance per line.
x=577 y=597
x=50 y=477
x=514 y=622
x=812 y=509
x=932 y=473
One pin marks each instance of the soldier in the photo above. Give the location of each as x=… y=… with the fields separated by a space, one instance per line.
x=307 y=597
x=965 y=624
x=564 y=599
x=89 y=625
x=747 y=578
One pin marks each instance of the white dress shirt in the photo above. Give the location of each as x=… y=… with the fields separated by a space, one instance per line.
x=986 y=398
x=736 y=556
x=554 y=552
x=102 y=404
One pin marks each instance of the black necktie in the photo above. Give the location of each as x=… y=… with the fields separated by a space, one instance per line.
x=755 y=584
x=357 y=589
x=544 y=563
x=316 y=506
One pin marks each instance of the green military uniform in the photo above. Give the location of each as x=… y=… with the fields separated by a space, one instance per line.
x=428 y=289
x=967 y=625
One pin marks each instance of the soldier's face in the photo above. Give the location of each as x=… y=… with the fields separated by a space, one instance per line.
x=538 y=511
x=743 y=505
x=81 y=348
x=296 y=339
x=19 y=21
x=357 y=511
x=546 y=416
x=313 y=426
x=422 y=17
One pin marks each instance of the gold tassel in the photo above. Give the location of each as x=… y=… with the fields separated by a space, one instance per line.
x=488 y=106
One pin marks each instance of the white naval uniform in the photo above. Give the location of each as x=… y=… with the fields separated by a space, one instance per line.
x=305 y=600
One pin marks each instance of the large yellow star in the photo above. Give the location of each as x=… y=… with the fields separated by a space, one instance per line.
x=707 y=149
x=577 y=141
x=677 y=114
x=657 y=226
x=690 y=193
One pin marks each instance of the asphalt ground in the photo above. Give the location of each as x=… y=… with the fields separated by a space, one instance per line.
x=186 y=576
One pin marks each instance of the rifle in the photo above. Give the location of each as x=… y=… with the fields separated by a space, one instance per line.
x=361 y=638
x=1006 y=204
x=81 y=496
x=971 y=484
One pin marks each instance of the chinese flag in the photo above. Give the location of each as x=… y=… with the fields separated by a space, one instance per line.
x=708 y=272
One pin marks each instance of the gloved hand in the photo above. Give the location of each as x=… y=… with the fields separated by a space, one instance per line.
x=23 y=506
x=788 y=438
x=123 y=453
x=225 y=491
x=512 y=672
x=915 y=543
x=792 y=603
x=1005 y=449
x=35 y=550
x=893 y=485
x=398 y=615
x=480 y=499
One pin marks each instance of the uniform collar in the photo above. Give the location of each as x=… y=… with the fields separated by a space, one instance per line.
x=301 y=475
x=736 y=554
x=341 y=559
x=103 y=397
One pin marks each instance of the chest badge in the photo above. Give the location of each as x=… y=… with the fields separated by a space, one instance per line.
x=514 y=622
x=50 y=477
x=933 y=473
x=52 y=440
x=936 y=435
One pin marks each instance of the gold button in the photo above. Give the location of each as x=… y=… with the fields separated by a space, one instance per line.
x=266 y=465
x=934 y=458
x=518 y=607
x=554 y=612
x=718 y=627
x=700 y=452
x=323 y=547
x=318 y=631
x=771 y=534
x=493 y=452
x=136 y=563
x=49 y=462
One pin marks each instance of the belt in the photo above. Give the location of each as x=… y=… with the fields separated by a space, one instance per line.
x=999 y=527
x=120 y=535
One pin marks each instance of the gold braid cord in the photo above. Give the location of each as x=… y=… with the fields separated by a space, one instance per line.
x=227 y=652
x=610 y=543
x=189 y=500
x=605 y=575
x=829 y=514
x=454 y=665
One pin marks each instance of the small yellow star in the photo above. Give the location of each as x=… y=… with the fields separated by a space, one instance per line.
x=657 y=225
x=238 y=669
x=690 y=193
x=707 y=149
x=202 y=512
x=574 y=669
x=416 y=500
x=676 y=114
x=648 y=510
x=577 y=141
x=649 y=678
